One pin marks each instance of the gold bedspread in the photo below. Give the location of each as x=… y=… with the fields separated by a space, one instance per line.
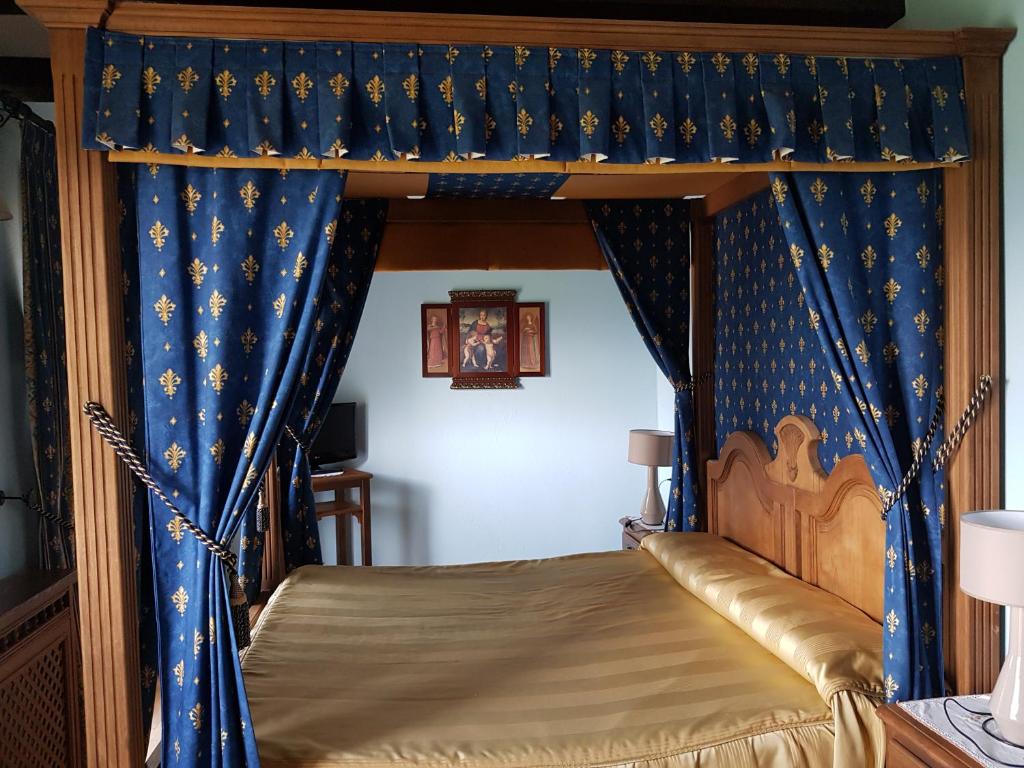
x=588 y=660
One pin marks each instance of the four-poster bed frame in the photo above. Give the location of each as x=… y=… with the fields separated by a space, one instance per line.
x=93 y=288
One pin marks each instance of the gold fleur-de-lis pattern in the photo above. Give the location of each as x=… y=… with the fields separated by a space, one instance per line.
x=495 y=185
x=647 y=246
x=768 y=361
x=356 y=239
x=229 y=268
x=399 y=100
x=875 y=291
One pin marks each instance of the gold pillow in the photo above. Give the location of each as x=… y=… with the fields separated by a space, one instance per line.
x=822 y=637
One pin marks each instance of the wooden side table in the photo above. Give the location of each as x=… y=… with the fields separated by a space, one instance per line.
x=633 y=533
x=910 y=743
x=341 y=506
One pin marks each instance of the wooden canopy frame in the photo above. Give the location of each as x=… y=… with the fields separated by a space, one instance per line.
x=95 y=327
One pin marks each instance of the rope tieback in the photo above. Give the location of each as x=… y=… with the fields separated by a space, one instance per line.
x=693 y=383
x=298 y=440
x=949 y=445
x=113 y=436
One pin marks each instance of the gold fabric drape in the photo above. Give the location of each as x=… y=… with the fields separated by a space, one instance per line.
x=600 y=659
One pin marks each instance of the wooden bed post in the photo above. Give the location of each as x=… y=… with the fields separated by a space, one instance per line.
x=974 y=346
x=94 y=325
x=702 y=250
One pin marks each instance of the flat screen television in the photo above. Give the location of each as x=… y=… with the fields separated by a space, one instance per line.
x=337 y=439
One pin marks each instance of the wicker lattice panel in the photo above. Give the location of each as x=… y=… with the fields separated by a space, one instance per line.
x=33 y=713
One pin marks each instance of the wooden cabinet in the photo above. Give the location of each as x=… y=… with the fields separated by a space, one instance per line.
x=909 y=743
x=40 y=690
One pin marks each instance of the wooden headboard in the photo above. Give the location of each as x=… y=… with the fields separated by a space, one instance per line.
x=823 y=528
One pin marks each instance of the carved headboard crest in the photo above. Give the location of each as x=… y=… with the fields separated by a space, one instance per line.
x=823 y=528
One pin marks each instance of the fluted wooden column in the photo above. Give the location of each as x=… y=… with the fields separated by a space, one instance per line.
x=94 y=326
x=973 y=347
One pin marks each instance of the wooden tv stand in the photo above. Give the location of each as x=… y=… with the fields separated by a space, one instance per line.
x=341 y=506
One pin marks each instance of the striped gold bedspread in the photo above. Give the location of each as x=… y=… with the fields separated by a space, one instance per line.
x=589 y=660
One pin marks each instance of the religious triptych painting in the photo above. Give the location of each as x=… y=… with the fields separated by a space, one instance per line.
x=483 y=339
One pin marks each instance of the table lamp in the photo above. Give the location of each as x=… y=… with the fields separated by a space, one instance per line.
x=992 y=569
x=651 y=448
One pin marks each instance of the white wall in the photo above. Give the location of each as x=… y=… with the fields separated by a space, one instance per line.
x=18 y=528
x=943 y=14
x=462 y=476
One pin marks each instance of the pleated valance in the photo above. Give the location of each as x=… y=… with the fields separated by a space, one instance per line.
x=367 y=101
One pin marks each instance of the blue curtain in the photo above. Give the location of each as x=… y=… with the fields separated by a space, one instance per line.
x=339 y=308
x=368 y=101
x=45 y=366
x=867 y=249
x=231 y=263
x=768 y=361
x=647 y=245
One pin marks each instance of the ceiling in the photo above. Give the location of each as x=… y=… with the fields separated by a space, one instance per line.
x=24 y=46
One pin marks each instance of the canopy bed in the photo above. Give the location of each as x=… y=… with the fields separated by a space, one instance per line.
x=303 y=135
x=692 y=652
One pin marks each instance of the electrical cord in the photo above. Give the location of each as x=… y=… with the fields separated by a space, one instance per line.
x=985 y=726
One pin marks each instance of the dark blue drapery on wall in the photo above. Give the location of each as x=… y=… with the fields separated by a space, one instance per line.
x=231 y=263
x=768 y=360
x=368 y=101
x=867 y=249
x=647 y=245
x=45 y=369
x=356 y=242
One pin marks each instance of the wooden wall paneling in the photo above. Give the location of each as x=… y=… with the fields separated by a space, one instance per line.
x=702 y=294
x=95 y=360
x=973 y=251
x=488 y=234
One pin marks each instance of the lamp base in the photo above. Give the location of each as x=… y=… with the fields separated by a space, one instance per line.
x=652 y=510
x=1007 y=701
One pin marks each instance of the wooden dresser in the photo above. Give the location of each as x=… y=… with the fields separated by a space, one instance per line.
x=40 y=694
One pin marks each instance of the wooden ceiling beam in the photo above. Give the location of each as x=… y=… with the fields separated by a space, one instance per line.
x=379 y=26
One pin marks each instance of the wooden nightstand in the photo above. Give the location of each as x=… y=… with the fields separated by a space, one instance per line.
x=910 y=743
x=633 y=534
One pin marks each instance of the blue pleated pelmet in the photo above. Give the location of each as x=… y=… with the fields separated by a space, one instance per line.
x=369 y=101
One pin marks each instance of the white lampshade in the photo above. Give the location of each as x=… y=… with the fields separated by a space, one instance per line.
x=650 y=447
x=992 y=556
x=992 y=569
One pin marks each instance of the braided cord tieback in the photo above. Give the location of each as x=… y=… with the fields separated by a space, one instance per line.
x=693 y=383
x=113 y=436
x=949 y=445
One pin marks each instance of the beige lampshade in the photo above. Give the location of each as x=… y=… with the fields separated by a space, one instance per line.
x=650 y=447
x=992 y=556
